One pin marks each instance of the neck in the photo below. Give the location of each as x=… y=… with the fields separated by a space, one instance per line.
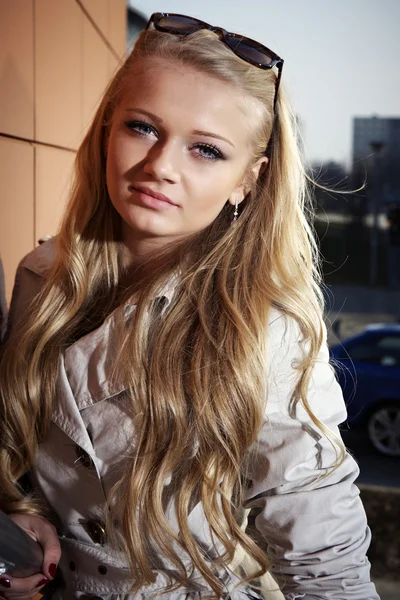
x=143 y=258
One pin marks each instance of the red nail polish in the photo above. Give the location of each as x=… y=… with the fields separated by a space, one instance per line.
x=42 y=582
x=53 y=570
x=5 y=582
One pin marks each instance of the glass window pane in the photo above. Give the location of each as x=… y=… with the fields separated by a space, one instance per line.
x=390 y=342
x=384 y=350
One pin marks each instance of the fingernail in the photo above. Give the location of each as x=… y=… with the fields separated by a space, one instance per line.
x=5 y=582
x=42 y=582
x=53 y=570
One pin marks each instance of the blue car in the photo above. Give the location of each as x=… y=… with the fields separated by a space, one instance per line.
x=368 y=369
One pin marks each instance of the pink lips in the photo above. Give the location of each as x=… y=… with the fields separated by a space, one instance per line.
x=146 y=191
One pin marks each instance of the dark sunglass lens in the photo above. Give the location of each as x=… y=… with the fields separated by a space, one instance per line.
x=248 y=51
x=178 y=24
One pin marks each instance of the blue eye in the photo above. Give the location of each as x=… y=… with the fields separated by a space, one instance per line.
x=140 y=128
x=209 y=152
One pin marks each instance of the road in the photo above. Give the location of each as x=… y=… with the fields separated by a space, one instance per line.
x=374 y=468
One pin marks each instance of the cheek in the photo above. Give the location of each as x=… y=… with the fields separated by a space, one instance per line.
x=111 y=163
x=124 y=152
x=119 y=162
x=116 y=183
x=211 y=191
x=204 y=205
x=116 y=159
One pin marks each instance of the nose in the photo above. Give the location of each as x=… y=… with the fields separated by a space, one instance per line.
x=162 y=162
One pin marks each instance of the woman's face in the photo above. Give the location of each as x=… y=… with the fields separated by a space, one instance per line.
x=178 y=148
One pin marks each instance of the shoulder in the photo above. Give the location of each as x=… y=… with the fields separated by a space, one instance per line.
x=285 y=339
x=41 y=259
x=283 y=329
x=29 y=280
x=286 y=347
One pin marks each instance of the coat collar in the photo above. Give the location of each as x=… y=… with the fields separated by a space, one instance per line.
x=87 y=366
x=90 y=361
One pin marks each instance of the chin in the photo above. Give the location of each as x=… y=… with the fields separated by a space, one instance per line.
x=150 y=226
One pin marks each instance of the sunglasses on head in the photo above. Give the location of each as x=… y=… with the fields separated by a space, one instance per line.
x=249 y=50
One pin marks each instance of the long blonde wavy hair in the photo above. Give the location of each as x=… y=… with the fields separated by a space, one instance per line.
x=197 y=377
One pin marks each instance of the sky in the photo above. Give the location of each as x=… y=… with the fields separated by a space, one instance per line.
x=342 y=58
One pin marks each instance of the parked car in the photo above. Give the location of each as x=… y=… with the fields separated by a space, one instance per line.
x=368 y=369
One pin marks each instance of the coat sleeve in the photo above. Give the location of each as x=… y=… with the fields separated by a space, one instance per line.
x=29 y=280
x=311 y=517
x=27 y=285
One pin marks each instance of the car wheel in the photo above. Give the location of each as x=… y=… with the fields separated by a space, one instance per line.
x=384 y=429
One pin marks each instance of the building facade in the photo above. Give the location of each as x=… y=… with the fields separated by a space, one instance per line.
x=56 y=59
x=376 y=155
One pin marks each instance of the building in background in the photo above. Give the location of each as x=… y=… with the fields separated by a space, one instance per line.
x=376 y=156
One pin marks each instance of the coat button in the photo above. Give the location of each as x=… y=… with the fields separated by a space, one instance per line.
x=84 y=458
x=97 y=532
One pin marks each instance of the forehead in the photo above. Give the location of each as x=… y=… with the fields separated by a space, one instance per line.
x=190 y=98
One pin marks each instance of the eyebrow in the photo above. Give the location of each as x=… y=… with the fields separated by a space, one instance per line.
x=146 y=113
x=213 y=135
x=195 y=132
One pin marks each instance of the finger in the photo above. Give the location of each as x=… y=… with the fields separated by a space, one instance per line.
x=35 y=594
x=25 y=586
x=45 y=533
x=48 y=539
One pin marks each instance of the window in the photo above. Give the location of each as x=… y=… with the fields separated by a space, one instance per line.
x=379 y=350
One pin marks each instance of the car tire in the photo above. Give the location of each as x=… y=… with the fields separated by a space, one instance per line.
x=384 y=428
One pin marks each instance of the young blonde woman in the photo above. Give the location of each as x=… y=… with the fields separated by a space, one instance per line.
x=166 y=368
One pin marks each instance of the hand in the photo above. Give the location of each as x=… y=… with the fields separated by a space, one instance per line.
x=42 y=531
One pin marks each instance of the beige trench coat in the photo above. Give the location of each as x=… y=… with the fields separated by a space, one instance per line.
x=315 y=529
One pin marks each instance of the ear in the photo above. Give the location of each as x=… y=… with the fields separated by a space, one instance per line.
x=259 y=167
x=241 y=191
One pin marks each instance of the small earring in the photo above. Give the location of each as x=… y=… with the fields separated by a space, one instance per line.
x=236 y=213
